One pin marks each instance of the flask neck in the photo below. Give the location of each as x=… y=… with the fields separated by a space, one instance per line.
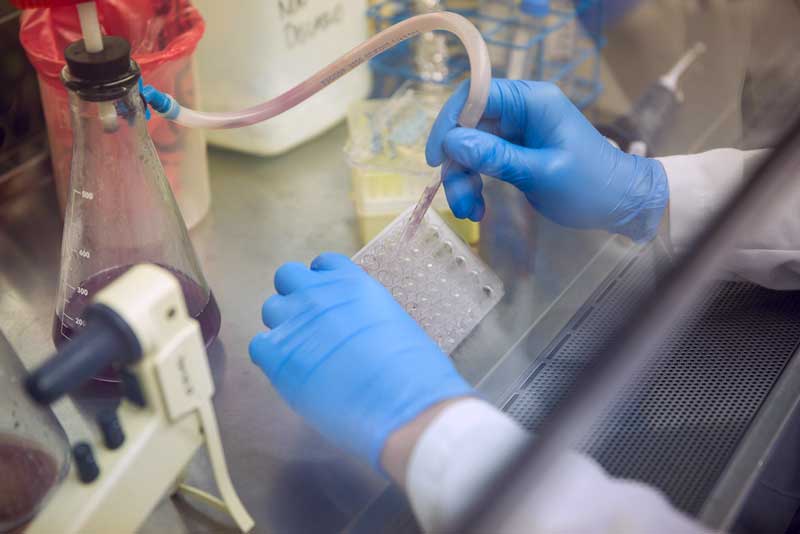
x=120 y=121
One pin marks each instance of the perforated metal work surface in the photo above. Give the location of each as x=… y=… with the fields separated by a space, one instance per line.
x=678 y=425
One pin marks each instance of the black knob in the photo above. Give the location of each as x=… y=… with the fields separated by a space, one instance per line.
x=106 y=340
x=113 y=435
x=131 y=388
x=87 y=467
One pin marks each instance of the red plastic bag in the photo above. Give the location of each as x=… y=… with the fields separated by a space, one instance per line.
x=163 y=36
x=159 y=31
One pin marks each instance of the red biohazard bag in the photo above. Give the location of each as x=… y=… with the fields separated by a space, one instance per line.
x=163 y=36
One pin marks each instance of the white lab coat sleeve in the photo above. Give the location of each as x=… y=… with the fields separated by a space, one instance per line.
x=465 y=445
x=700 y=184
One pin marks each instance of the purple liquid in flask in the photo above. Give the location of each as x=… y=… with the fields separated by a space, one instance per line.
x=27 y=474
x=68 y=324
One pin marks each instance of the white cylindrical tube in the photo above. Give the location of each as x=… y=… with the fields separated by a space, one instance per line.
x=90 y=27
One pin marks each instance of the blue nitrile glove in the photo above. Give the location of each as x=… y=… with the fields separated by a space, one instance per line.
x=533 y=137
x=344 y=355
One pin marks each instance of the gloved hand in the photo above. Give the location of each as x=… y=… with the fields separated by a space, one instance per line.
x=533 y=137
x=344 y=355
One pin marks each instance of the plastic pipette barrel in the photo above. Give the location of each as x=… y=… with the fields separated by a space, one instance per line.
x=638 y=131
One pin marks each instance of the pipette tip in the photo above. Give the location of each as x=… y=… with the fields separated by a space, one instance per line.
x=424 y=204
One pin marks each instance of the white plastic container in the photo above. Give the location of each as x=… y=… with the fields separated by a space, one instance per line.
x=254 y=50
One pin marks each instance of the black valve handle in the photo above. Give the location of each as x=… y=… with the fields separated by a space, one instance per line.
x=107 y=339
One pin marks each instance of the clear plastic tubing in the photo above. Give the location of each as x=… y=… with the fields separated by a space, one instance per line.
x=467 y=33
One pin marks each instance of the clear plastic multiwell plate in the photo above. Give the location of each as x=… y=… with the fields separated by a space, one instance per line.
x=436 y=277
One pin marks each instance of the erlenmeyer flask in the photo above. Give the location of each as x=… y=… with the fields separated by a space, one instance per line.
x=34 y=451
x=120 y=210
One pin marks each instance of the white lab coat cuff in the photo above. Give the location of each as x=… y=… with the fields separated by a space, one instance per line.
x=468 y=442
x=449 y=462
x=699 y=185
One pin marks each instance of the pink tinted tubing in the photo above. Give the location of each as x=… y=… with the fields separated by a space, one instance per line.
x=468 y=34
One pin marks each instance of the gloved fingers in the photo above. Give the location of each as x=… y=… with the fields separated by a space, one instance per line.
x=463 y=189
x=278 y=309
x=445 y=121
x=506 y=109
x=505 y=114
x=515 y=108
x=331 y=261
x=293 y=276
x=529 y=110
x=479 y=207
x=485 y=153
x=478 y=210
x=265 y=354
x=491 y=126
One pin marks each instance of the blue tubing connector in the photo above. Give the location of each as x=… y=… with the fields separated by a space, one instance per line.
x=163 y=103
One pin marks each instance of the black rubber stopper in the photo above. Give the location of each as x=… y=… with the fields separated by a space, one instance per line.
x=112 y=63
x=113 y=435
x=88 y=470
